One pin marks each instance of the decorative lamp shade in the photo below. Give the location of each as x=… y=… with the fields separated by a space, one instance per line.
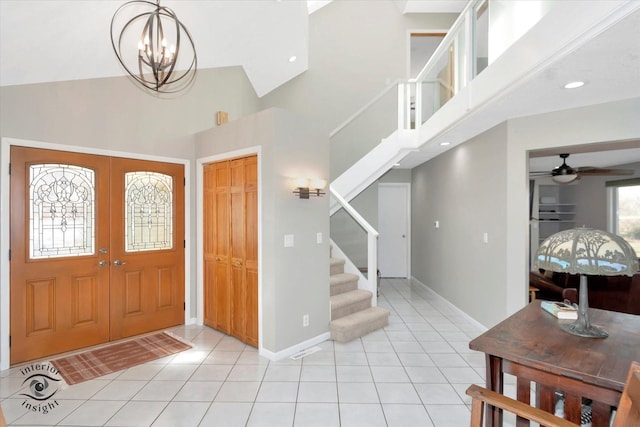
x=587 y=251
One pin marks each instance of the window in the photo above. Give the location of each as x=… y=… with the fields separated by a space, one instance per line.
x=625 y=212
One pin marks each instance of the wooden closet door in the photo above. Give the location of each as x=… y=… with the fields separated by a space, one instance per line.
x=231 y=248
x=216 y=247
x=251 y=251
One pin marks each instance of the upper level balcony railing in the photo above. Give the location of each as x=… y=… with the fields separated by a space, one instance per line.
x=482 y=32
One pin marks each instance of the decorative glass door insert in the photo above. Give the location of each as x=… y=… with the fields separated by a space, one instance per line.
x=62 y=211
x=148 y=211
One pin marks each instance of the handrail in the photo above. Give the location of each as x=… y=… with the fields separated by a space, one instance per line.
x=365 y=107
x=372 y=244
x=444 y=44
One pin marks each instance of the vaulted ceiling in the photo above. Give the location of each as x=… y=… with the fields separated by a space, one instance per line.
x=58 y=40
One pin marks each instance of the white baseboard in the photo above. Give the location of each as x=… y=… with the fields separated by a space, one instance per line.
x=282 y=354
x=193 y=321
x=450 y=304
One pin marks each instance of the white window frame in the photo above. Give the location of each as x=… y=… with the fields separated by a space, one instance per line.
x=612 y=201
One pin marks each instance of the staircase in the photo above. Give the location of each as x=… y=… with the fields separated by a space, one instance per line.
x=352 y=315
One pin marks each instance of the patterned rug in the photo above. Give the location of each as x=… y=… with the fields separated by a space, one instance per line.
x=116 y=357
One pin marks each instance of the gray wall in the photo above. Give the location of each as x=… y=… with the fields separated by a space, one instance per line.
x=465 y=190
x=356 y=49
x=294 y=281
x=113 y=114
x=483 y=186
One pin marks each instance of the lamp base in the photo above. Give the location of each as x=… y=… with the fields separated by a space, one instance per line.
x=583 y=327
x=578 y=328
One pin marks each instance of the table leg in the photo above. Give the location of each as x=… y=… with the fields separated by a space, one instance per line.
x=601 y=413
x=523 y=394
x=494 y=382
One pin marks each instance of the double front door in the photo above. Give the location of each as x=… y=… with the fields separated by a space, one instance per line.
x=97 y=249
x=231 y=247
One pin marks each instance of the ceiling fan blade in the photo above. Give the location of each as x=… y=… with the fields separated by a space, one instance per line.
x=587 y=170
x=539 y=173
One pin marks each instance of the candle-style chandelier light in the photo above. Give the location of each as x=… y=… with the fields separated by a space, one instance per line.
x=153 y=46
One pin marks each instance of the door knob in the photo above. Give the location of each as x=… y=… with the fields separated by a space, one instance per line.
x=102 y=264
x=118 y=262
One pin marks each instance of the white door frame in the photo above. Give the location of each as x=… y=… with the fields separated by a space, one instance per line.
x=5 y=151
x=200 y=162
x=407 y=186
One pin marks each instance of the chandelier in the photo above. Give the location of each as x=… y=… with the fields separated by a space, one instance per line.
x=153 y=46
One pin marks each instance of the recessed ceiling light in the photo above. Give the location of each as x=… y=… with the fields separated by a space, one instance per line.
x=573 y=85
x=396 y=164
x=293 y=58
x=445 y=143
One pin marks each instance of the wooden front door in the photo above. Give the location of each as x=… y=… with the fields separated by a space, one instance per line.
x=231 y=247
x=147 y=246
x=69 y=250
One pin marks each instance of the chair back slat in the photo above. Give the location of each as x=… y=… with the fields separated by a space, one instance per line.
x=628 y=413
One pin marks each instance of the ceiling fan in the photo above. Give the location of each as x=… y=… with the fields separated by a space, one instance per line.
x=564 y=174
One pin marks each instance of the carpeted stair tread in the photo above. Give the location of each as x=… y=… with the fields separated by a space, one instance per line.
x=358 y=324
x=342 y=282
x=350 y=302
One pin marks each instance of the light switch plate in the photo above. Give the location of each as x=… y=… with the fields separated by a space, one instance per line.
x=288 y=240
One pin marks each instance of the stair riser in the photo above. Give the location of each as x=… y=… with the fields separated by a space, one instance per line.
x=346 y=310
x=341 y=288
x=336 y=269
x=359 y=330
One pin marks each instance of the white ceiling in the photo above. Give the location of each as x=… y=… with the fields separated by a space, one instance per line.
x=57 y=40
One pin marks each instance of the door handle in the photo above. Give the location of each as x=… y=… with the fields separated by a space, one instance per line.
x=238 y=262
x=102 y=264
x=119 y=263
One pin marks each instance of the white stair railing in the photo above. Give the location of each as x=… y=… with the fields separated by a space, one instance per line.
x=372 y=245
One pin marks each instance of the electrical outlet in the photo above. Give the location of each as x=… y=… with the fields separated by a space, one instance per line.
x=305 y=320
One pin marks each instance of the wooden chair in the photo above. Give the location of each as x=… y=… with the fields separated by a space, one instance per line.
x=627 y=415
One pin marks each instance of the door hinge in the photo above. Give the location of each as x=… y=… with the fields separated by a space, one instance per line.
x=9 y=168
x=184 y=244
x=9 y=340
x=184 y=306
x=184 y=181
x=9 y=254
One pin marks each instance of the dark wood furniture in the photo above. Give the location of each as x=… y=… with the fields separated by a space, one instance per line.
x=616 y=293
x=628 y=413
x=531 y=346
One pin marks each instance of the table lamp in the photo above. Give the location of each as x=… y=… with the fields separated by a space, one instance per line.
x=586 y=251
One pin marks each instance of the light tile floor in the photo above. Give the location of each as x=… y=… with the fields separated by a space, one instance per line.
x=412 y=373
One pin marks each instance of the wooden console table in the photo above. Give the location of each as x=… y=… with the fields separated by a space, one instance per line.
x=531 y=346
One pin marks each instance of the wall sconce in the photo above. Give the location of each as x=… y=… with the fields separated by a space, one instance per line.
x=305 y=187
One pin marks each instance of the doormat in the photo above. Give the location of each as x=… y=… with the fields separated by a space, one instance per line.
x=116 y=357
